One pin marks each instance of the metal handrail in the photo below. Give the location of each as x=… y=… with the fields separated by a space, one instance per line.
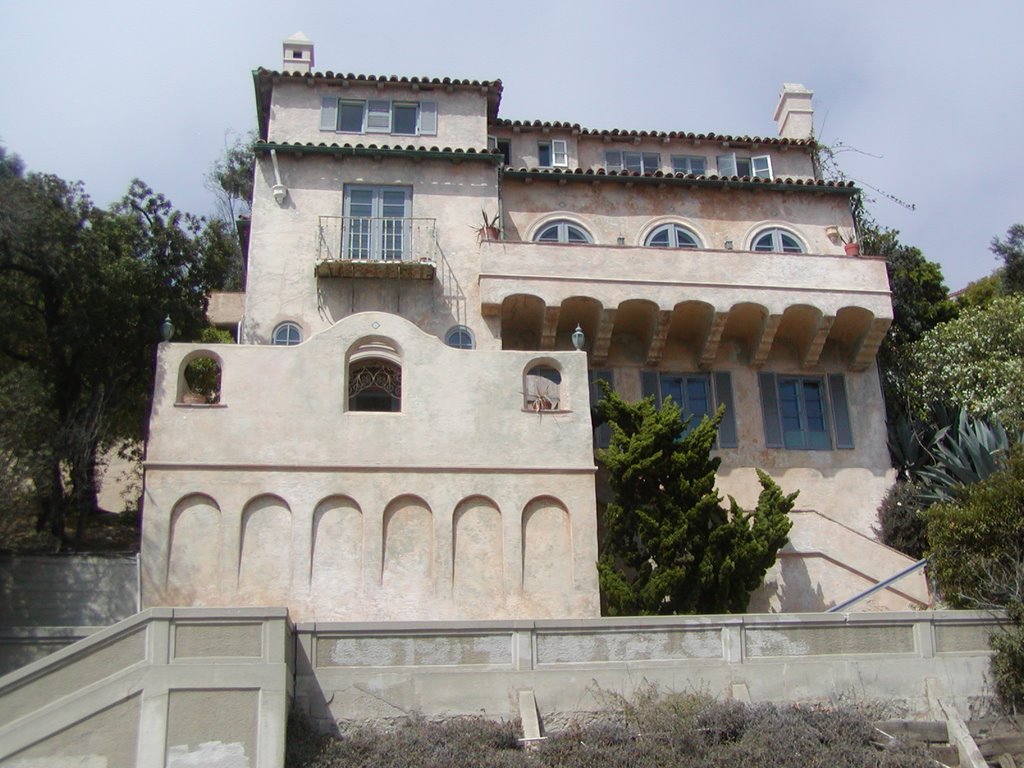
x=376 y=238
x=879 y=586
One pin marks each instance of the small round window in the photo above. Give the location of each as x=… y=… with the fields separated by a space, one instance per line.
x=287 y=335
x=777 y=240
x=562 y=231
x=459 y=337
x=672 y=236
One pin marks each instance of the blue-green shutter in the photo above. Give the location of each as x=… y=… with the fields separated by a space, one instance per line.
x=770 y=410
x=329 y=113
x=649 y=386
x=840 y=410
x=727 y=436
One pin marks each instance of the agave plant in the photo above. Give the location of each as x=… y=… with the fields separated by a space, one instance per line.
x=962 y=453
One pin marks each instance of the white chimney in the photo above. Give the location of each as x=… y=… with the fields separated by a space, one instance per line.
x=794 y=114
x=298 y=54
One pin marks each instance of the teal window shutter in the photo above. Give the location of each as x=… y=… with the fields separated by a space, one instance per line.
x=649 y=386
x=770 y=410
x=840 y=410
x=727 y=435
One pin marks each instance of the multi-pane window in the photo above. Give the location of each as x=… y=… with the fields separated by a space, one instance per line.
x=672 y=236
x=287 y=334
x=777 y=240
x=553 y=153
x=403 y=118
x=805 y=412
x=459 y=337
x=736 y=165
x=698 y=395
x=636 y=162
x=376 y=223
x=694 y=164
x=562 y=231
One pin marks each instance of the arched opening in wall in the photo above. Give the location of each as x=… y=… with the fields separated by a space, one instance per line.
x=477 y=557
x=193 y=557
x=200 y=380
x=264 y=561
x=408 y=547
x=375 y=385
x=336 y=564
x=547 y=556
x=542 y=387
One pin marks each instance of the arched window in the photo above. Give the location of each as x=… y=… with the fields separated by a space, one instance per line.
x=200 y=382
x=777 y=240
x=562 y=231
x=375 y=385
x=287 y=334
x=672 y=236
x=542 y=390
x=459 y=337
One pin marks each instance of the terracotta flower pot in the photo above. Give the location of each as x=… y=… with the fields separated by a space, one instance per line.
x=852 y=249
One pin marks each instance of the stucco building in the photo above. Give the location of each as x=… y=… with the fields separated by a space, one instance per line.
x=404 y=430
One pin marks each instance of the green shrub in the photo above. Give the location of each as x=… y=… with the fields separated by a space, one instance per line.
x=901 y=524
x=1008 y=662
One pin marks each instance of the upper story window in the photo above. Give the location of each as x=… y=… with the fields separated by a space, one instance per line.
x=775 y=239
x=553 y=153
x=735 y=165
x=698 y=395
x=672 y=236
x=401 y=118
x=502 y=145
x=287 y=335
x=694 y=164
x=459 y=337
x=637 y=162
x=542 y=388
x=376 y=223
x=796 y=412
x=562 y=231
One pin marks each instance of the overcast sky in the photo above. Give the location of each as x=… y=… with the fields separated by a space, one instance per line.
x=930 y=93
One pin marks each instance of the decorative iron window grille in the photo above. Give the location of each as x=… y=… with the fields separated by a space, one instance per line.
x=375 y=386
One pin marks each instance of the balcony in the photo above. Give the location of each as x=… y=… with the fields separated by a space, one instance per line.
x=693 y=297
x=361 y=246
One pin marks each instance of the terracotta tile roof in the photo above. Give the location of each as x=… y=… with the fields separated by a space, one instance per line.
x=659 y=135
x=440 y=153
x=264 y=79
x=658 y=177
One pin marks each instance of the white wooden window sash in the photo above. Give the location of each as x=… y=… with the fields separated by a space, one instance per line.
x=734 y=165
x=377 y=115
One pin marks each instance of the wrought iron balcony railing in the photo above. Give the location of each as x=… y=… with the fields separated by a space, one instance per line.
x=376 y=239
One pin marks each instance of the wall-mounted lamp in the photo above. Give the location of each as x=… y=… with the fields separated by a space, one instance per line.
x=832 y=233
x=578 y=339
x=728 y=245
x=166 y=329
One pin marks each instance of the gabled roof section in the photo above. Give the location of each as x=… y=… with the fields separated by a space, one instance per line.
x=683 y=179
x=265 y=79
x=617 y=133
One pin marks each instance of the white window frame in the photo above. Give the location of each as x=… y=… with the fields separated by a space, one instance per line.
x=558 y=152
x=286 y=334
x=452 y=334
x=378 y=115
x=632 y=161
x=372 y=234
x=673 y=230
x=778 y=244
x=563 y=226
x=755 y=166
x=684 y=164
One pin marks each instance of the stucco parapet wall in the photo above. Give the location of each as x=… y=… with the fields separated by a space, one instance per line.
x=381 y=150
x=592 y=175
x=453 y=405
x=722 y=278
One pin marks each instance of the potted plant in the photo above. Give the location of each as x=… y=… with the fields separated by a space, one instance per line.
x=489 y=231
x=850 y=244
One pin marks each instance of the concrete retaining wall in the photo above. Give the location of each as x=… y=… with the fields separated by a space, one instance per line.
x=167 y=687
x=361 y=671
